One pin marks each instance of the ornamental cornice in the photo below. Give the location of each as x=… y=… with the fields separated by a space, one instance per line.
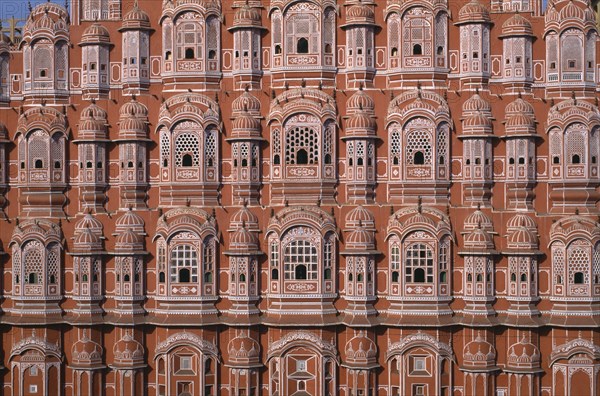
x=188 y=339
x=277 y=348
x=565 y=351
x=419 y=340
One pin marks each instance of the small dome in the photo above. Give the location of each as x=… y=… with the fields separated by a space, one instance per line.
x=246 y=16
x=522 y=239
x=523 y=355
x=93 y=123
x=361 y=350
x=360 y=216
x=519 y=106
x=568 y=13
x=478 y=219
x=244 y=350
x=473 y=12
x=419 y=218
x=246 y=102
x=244 y=217
x=86 y=352
x=479 y=239
x=133 y=128
x=130 y=220
x=360 y=122
x=477 y=123
x=245 y=125
x=128 y=352
x=476 y=104
x=129 y=241
x=89 y=222
x=133 y=108
x=360 y=14
x=243 y=240
x=87 y=241
x=521 y=220
x=517 y=25
x=360 y=101
x=136 y=18
x=95 y=33
x=479 y=353
x=360 y=239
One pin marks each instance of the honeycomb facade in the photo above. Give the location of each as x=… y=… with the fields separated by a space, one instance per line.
x=309 y=197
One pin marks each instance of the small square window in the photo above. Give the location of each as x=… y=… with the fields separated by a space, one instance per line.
x=572 y=64
x=419 y=363
x=519 y=59
x=419 y=390
x=185 y=362
x=300 y=365
x=33 y=388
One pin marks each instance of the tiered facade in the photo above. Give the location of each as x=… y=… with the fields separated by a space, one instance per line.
x=301 y=197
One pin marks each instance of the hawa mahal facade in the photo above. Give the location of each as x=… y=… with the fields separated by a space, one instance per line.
x=301 y=197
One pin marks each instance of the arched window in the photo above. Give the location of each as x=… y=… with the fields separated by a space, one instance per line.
x=302 y=141
x=578 y=278
x=417 y=49
x=419 y=158
x=302 y=46
x=418 y=263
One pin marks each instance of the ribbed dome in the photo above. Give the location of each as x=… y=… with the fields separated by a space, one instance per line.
x=93 y=123
x=129 y=241
x=479 y=353
x=517 y=25
x=129 y=220
x=133 y=108
x=128 y=352
x=360 y=216
x=473 y=12
x=245 y=124
x=244 y=350
x=562 y=12
x=521 y=220
x=86 y=352
x=87 y=241
x=479 y=239
x=360 y=101
x=419 y=219
x=136 y=18
x=243 y=217
x=522 y=239
x=246 y=102
x=95 y=33
x=360 y=14
x=477 y=123
x=478 y=219
x=243 y=240
x=360 y=122
x=476 y=104
x=519 y=106
x=246 y=16
x=360 y=239
x=360 y=350
x=47 y=17
x=523 y=355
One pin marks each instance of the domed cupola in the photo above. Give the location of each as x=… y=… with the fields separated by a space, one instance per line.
x=360 y=351
x=360 y=216
x=479 y=240
x=360 y=101
x=360 y=239
x=95 y=34
x=520 y=119
x=473 y=12
x=561 y=14
x=246 y=102
x=136 y=19
x=133 y=121
x=360 y=14
x=93 y=124
x=130 y=220
x=86 y=353
x=244 y=217
x=517 y=25
x=244 y=351
x=479 y=354
x=247 y=17
x=243 y=241
x=478 y=219
x=128 y=352
x=129 y=242
x=523 y=356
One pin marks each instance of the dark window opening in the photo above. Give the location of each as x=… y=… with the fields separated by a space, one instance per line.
x=212 y=54
x=419 y=158
x=523 y=277
x=57 y=165
x=328 y=159
x=165 y=163
x=301 y=157
x=88 y=164
x=556 y=160
x=184 y=275
x=168 y=55
x=593 y=159
x=394 y=51
x=350 y=277
x=513 y=277
x=327 y=274
x=209 y=162
x=242 y=277
x=33 y=278
x=479 y=278
x=42 y=73
x=396 y=161
x=39 y=164
x=440 y=50
x=302 y=46
x=187 y=160
x=99 y=165
x=208 y=277
x=274 y=274
x=84 y=278
x=244 y=162
x=441 y=160
x=300 y=272
x=417 y=49
x=278 y=49
x=443 y=276
x=189 y=53
x=52 y=279
x=235 y=163
x=276 y=159
x=130 y=164
x=359 y=161
x=161 y=277
x=126 y=278
x=575 y=159
x=477 y=161
x=395 y=276
x=578 y=278
x=475 y=55
x=521 y=161
x=419 y=275
x=511 y=161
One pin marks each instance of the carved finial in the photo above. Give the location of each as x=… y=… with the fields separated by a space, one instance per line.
x=272 y=214
x=577 y=211
x=361 y=87
x=286 y=203
x=552 y=102
x=273 y=96
x=286 y=86
x=478 y=205
x=213 y=213
x=391 y=94
x=392 y=210
x=332 y=211
x=188 y=202
x=519 y=95
x=319 y=202
x=303 y=83
x=217 y=97
x=320 y=85
x=573 y=97
x=419 y=208
x=476 y=90
x=247 y=88
x=29 y=7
